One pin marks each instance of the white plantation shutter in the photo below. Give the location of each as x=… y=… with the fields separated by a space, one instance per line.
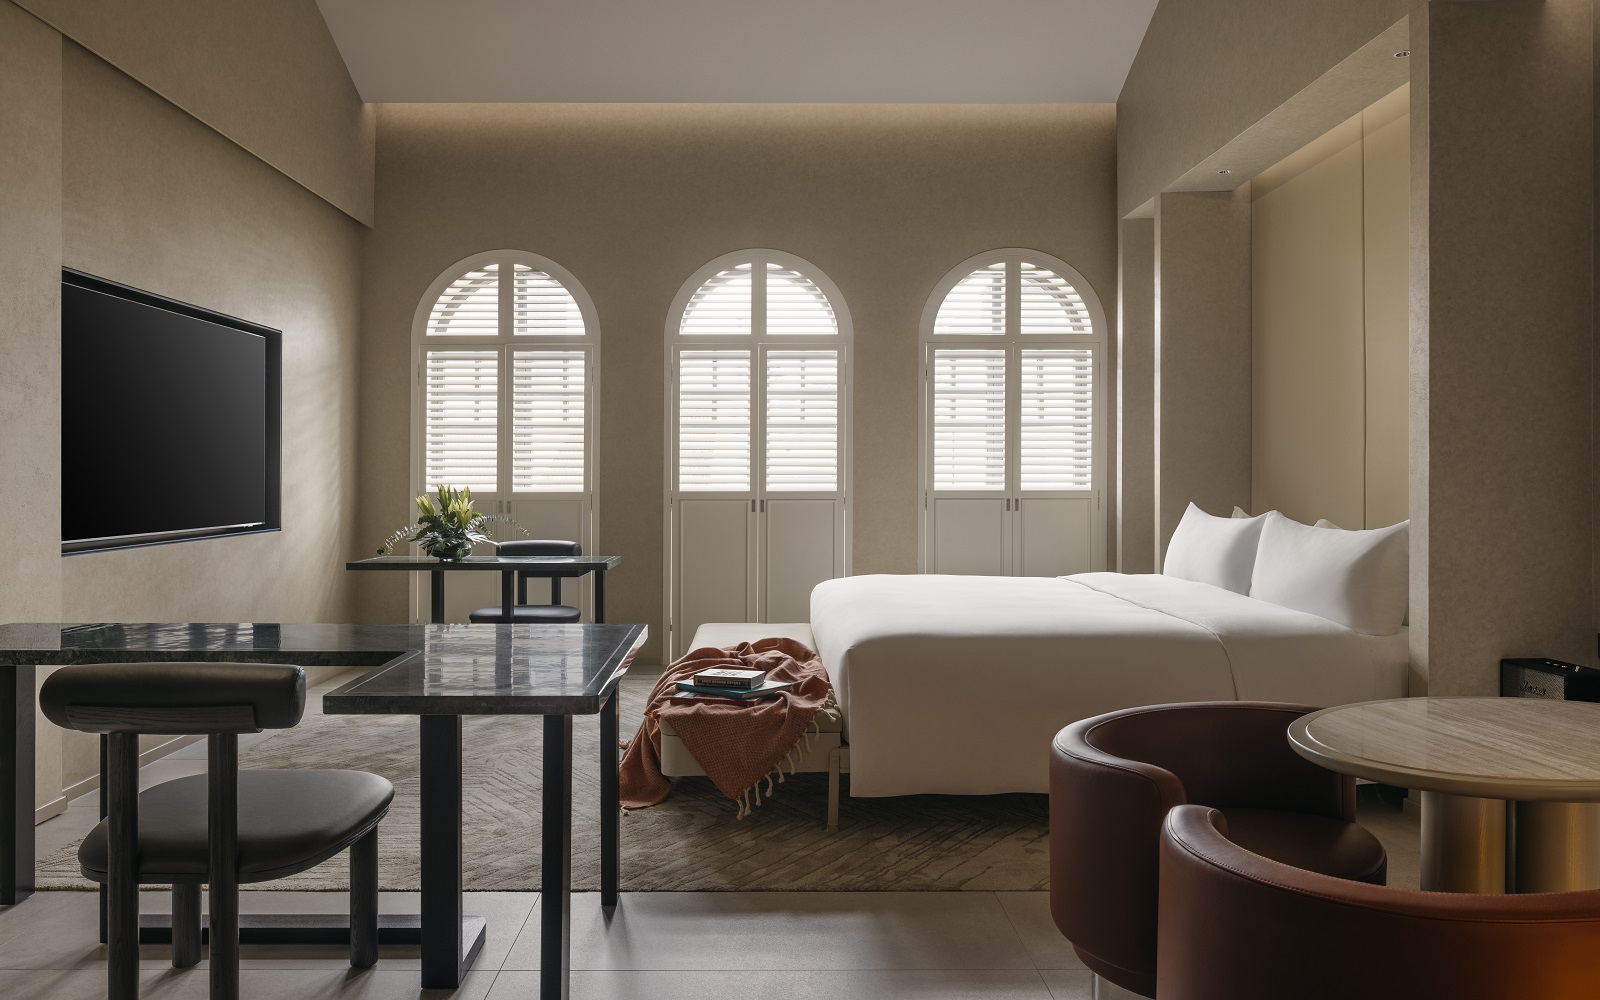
x=1057 y=419
x=796 y=306
x=1049 y=305
x=714 y=420
x=462 y=390
x=547 y=421
x=720 y=306
x=976 y=306
x=802 y=420
x=969 y=419
x=542 y=306
x=469 y=307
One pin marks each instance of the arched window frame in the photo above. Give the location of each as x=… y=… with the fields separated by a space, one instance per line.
x=1097 y=338
x=754 y=341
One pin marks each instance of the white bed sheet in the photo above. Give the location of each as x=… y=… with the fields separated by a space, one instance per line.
x=956 y=684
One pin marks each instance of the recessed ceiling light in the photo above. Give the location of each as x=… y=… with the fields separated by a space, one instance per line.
x=1403 y=54
x=1224 y=170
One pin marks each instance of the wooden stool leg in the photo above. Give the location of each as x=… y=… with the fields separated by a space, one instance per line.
x=364 y=901
x=122 y=863
x=223 y=806
x=186 y=925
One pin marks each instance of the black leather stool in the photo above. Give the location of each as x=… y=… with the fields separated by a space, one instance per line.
x=523 y=613
x=222 y=828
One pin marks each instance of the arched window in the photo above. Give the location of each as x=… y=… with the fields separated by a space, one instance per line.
x=1011 y=455
x=507 y=347
x=758 y=346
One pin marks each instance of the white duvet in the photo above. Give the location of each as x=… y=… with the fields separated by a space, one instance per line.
x=956 y=684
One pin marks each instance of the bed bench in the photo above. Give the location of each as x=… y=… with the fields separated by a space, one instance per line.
x=828 y=752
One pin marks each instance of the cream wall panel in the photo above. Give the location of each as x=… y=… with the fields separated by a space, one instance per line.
x=1208 y=70
x=266 y=75
x=1386 y=213
x=1203 y=354
x=632 y=199
x=30 y=309
x=155 y=199
x=1135 y=453
x=1308 y=410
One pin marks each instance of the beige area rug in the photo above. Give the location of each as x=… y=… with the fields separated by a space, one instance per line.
x=690 y=842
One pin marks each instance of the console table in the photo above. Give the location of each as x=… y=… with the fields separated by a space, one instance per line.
x=507 y=566
x=440 y=673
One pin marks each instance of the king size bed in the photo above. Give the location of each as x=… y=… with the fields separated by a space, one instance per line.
x=956 y=684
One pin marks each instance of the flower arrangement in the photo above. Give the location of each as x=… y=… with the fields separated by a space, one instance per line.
x=447 y=525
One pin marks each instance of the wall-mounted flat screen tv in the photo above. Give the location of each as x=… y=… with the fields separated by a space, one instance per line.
x=170 y=424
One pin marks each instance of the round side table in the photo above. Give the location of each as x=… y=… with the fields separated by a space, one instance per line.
x=1470 y=757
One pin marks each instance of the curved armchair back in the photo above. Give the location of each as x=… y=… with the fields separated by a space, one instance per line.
x=1238 y=926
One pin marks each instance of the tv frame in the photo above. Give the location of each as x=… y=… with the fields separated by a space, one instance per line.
x=274 y=419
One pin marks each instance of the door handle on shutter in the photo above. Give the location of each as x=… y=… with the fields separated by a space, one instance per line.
x=752 y=506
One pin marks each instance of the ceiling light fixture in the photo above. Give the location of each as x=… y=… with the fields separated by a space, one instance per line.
x=1403 y=54
x=1224 y=170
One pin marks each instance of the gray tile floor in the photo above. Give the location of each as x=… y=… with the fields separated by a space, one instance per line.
x=663 y=946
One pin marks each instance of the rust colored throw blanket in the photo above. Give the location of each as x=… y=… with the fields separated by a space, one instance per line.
x=739 y=746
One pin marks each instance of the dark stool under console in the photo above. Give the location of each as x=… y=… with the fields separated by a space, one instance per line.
x=220 y=829
x=523 y=613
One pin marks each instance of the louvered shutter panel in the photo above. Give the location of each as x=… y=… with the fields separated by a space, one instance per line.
x=470 y=307
x=969 y=419
x=976 y=306
x=1057 y=432
x=796 y=306
x=713 y=420
x=802 y=421
x=462 y=392
x=1049 y=305
x=547 y=421
x=720 y=306
x=542 y=306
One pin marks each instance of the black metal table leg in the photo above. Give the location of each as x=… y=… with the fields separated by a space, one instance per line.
x=610 y=800
x=555 y=877
x=599 y=597
x=16 y=783
x=507 y=594
x=437 y=595
x=449 y=944
x=122 y=867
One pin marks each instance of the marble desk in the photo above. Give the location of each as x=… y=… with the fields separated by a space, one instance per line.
x=439 y=673
x=509 y=568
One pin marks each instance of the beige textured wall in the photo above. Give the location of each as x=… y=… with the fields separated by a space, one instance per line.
x=1136 y=519
x=1502 y=320
x=1329 y=261
x=30 y=311
x=118 y=182
x=1209 y=69
x=266 y=75
x=1202 y=354
x=632 y=199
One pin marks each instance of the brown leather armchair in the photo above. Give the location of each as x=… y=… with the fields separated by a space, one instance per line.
x=1114 y=777
x=1239 y=926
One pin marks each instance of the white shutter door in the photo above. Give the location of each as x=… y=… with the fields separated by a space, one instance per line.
x=802 y=421
x=714 y=415
x=969 y=419
x=460 y=418
x=1057 y=419
x=547 y=421
x=470 y=307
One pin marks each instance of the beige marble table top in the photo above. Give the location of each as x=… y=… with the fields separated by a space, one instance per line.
x=1524 y=749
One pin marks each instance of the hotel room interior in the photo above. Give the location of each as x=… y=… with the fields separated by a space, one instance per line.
x=1143 y=433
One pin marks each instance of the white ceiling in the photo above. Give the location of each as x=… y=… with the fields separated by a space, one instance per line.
x=850 y=51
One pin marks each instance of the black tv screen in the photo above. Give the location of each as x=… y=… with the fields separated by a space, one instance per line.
x=169 y=419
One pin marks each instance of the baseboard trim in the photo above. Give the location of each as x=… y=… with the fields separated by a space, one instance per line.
x=50 y=810
x=155 y=753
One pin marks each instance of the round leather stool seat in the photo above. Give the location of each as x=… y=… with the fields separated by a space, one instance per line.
x=287 y=822
x=527 y=614
x=1318 y=844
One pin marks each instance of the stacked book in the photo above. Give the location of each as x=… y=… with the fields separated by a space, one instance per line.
x=727 y=686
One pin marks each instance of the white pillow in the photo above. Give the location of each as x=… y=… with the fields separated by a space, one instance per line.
x=1356 y=578
x=1239 y=511
x=1220 y=551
